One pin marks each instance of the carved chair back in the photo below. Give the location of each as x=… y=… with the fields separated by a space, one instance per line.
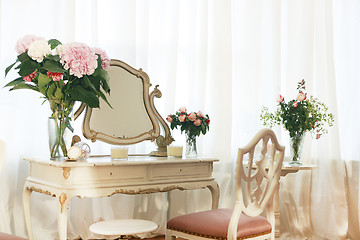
x=257 y=178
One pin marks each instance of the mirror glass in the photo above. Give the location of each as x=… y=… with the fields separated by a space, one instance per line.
x=128 y=118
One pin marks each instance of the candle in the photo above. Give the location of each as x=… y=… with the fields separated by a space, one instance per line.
x=174 y=151
x=119 y=153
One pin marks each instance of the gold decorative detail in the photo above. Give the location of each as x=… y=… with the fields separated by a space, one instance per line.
x=66 y=172
x=147 y=191
x=39 y=190
x=62 y=199
x=75 y=139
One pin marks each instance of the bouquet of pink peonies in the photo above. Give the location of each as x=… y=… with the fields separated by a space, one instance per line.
x=63 y=74
x=192 y=123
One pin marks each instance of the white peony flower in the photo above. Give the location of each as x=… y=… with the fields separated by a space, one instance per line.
x=59 y=49
x=39 y=49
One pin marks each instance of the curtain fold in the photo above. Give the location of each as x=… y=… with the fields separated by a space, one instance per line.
x=226 y=58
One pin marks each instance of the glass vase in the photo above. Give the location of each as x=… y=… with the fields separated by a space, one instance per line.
x=60 y=133
x=296 y=146
x=190 y=148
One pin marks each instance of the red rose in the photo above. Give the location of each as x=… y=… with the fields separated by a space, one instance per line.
x=280 y=99
x=182 y=118
x=169 y=118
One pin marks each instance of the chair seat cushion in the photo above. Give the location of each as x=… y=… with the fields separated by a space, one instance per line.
x=4 y=236
x=214 y=224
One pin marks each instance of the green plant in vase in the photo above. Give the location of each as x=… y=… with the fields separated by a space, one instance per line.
x=62 y=74
x=298 y=116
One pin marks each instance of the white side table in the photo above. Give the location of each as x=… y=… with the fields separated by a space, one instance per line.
x=122 y=227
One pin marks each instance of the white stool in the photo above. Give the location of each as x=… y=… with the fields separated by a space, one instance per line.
x=122 y=227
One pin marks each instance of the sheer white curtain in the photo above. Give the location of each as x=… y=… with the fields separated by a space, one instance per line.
x=226 y=58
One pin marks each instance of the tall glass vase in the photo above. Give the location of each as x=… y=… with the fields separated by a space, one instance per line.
x=296 y=145
x=60 y=133
x=190 y=148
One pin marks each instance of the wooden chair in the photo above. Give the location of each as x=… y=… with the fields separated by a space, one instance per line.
x=254 y=194
x=4 y=236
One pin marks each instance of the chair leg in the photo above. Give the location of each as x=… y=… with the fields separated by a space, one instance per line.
x=168 y=236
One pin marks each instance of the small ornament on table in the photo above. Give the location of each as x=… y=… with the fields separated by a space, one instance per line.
x=78 y=150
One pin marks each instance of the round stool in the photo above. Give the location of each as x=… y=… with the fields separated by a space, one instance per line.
x=122 y=227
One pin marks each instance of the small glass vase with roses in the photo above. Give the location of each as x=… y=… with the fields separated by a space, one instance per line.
x=193 y=124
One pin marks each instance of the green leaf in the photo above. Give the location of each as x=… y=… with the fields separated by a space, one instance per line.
x=43 y=82
x=54 y=43
x=87 y=96
x=53 y=66
x=10 y=67
x=58 y=93
x=23 y=85
x=53 y=57
x=27 y=68
x=14 y=82
x=24 y=57
x=98 y=93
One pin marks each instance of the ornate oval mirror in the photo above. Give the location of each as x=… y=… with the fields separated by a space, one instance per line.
x=133 y=117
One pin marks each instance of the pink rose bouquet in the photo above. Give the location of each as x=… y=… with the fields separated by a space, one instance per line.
x=63 y=74
x=192 y=123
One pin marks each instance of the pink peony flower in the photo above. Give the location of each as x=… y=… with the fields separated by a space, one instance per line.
x=169 y=118
x=200 y=114
x=197 y=122
x=79 y=58
x=30 y=77
x=105 y=60
x=280 y=99
x=22 y=45
x=207 y=121
x=301 y=97
x=39 y=49
x=182 y=109
x=318 y=136
x=55 y=76
x=182 y=118
x=295 y=104
x=192 y=116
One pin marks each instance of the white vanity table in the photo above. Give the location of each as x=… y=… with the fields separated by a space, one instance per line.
x=101 y=177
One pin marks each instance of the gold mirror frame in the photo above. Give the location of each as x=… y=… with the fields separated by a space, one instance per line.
x=157 y=122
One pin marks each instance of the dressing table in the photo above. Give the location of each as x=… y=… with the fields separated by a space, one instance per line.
x=132 y=118
x=101 y=177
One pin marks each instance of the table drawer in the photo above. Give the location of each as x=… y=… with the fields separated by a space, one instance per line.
x=103 y=174
x=181 y=171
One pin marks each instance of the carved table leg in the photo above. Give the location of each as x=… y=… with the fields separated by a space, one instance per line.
x=26 y=205
x=63 y=206
x=215 y=194
x=277 y=213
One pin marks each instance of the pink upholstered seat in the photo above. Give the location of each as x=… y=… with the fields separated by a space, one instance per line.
x=214 y=224
x=4 y=236
x=256 y=182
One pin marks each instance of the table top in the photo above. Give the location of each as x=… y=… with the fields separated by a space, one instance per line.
x=105 y=160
